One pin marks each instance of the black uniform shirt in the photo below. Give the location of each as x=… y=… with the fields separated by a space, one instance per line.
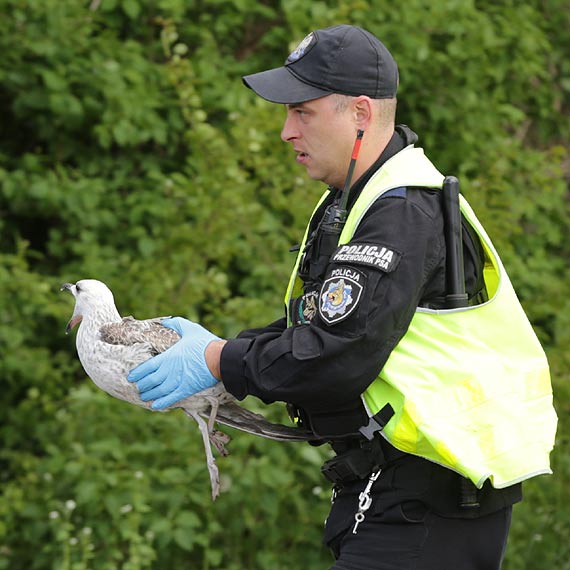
x=324 y=365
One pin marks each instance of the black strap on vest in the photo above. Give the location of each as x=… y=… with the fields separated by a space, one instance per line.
x=322 y=243
x=324 y=240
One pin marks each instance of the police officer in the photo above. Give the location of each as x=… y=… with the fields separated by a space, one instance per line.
x=343 y=356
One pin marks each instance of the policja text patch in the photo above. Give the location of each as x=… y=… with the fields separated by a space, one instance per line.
x=371 y=255
x=340 y=294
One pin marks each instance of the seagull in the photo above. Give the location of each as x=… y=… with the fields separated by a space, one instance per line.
x=110 y=346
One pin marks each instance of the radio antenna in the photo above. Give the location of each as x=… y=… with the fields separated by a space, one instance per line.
x=353 y=159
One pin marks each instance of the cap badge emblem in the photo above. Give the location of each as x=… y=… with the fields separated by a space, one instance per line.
x=300 y=50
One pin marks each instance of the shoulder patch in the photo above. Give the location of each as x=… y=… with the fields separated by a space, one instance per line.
x=340 y=295
x=372 y=255
x=304 y=308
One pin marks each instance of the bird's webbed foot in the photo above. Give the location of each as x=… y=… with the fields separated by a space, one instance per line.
x=219 y=439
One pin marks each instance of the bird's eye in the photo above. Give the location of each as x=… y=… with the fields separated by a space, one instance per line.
x=77 y=288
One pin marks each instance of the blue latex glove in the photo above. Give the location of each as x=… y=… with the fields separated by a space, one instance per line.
x=178 y=372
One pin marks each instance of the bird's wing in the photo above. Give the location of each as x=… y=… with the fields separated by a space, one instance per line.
x=131 y=331
x=232 y=415
x=150 y=332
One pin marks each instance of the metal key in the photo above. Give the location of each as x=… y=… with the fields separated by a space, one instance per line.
x=358 y=517
x=364 y=501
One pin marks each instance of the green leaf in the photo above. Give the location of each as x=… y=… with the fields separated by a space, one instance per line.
x=132 y=8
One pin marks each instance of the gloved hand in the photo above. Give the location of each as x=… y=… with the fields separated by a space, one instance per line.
x=178 y=372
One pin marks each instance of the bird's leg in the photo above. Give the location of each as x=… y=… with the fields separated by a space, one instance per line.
x=214 y=406
x=218 y=438
x=210 y=461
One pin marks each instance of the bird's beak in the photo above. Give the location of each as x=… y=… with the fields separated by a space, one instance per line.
x=75 y=320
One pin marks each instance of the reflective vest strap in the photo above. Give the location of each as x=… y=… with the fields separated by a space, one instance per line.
x=419 y=171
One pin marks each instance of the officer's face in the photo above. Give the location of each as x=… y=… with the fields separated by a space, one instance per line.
x=322 y=136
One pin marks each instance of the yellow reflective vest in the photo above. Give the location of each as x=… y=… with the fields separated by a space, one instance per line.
x=470 y=386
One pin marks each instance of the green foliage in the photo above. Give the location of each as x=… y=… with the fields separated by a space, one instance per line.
x=124 y=488
x=131 y=152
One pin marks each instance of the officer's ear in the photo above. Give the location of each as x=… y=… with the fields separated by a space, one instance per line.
x=363 y=111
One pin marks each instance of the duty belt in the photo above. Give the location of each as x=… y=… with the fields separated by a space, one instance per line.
x=354 y=464
x=365 y=457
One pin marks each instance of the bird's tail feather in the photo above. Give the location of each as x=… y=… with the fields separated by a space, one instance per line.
x=233 y=415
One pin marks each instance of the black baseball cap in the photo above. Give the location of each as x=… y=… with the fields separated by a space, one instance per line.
x=341 y=59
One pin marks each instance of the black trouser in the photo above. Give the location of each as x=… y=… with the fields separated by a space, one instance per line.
x=410 y=536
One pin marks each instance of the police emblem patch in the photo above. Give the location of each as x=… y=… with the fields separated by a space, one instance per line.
x=339 y=298
x=301 y=49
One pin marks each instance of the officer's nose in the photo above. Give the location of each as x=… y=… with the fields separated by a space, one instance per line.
x=289 y=132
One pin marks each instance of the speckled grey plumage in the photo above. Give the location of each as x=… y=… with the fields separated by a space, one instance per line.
x=110 y=346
